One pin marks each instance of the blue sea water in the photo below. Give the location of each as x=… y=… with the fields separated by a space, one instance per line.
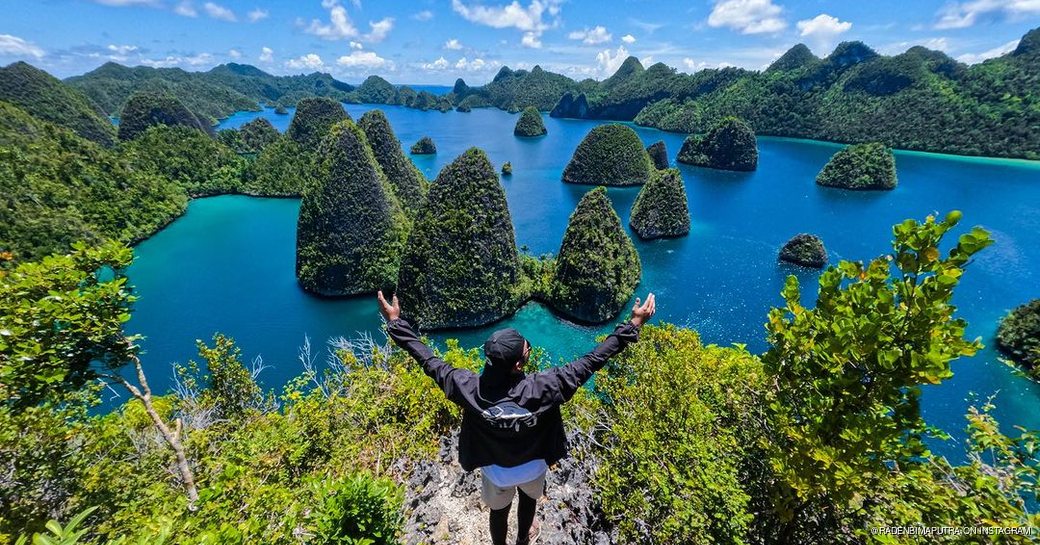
x=228 y=264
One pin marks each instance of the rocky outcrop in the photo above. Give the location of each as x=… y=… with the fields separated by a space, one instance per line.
x=729 y=145
x=597 y=268
x=460 y=266
x=313 y=119
x=609 y=155
x=148 y=109
x=408 y=183
x=661 y=209
x=860 y=166
x=805 y=250
x=530 y=123
x=424 y=146
x=658 y=155
x=351 y=228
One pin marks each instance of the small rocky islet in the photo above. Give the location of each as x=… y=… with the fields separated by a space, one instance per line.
x=868 y=166
x=611 y=155
x=805 y=250
x=729 y=145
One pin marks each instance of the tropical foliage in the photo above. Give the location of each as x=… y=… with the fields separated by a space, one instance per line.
x=609 y=155
x=661 y=208
x=860 y=166
x=729 y=145
x=45 y=97
x=530 y=123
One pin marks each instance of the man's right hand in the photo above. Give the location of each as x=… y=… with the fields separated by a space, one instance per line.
x=641 y=312
x=390 y=310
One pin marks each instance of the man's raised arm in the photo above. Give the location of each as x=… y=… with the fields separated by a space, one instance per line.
x=567 y=379
x=405 y=336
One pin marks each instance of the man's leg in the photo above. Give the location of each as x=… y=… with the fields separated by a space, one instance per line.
x=527 y=504
x=498 y=521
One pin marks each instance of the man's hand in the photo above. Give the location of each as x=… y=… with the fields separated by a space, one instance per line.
x=642 y=312
x=392 y=310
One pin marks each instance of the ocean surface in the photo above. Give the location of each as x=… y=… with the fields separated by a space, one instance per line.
x=228 y=264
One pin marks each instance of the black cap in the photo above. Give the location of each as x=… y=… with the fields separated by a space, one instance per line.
x=504 y=347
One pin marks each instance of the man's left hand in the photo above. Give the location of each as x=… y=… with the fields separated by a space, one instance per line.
x=390 y=310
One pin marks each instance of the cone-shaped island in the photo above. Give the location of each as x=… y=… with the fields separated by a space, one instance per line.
x=661 y=209
x=609 y=155
x=729 y=145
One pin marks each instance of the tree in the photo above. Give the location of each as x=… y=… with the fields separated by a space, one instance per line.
x=848 y=373
x=62 y=326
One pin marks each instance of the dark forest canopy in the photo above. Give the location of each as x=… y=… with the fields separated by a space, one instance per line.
x=45 y=97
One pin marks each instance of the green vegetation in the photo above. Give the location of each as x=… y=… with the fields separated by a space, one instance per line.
x=516 y=89
x=351 y=227
x=58 y=188
x=682 y=464
x=147 y=109
x=860 y=166
x=530 y=123
x=408 y=183
x=460 y=266
x=313 y=119
x=729 y=145
x=283 y=169
x=920 y=99
x=210 y=95
x=805 y=250
x=424 y=146
x=507 y=168
x=1018 y=336
x=199 y=164
x=257 y=134
x=598 y=268
x=609 y=155
x=658 y=155
x=820 y=439
x=45 y=97
x=661 y=209
x=375 y=90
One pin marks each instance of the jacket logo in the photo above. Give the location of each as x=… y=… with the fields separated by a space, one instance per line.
x=509 y=415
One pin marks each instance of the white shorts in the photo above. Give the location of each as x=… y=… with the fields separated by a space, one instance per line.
x=497 y=497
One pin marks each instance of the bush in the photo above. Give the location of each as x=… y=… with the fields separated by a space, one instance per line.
x=681 y=442
x=360 y=510
x=609 y=155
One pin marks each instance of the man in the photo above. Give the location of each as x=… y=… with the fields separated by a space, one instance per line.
x=511 y=423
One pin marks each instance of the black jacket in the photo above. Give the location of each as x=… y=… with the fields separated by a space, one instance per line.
x=512 y=418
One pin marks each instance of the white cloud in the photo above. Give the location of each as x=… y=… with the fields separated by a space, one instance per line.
x=628 y=39
x=266 y=54
x=439 y=64
x=966 y=14
x=646 y=26
x=380 y=29
x=823 y=29
x=15 y=46
x=257 y=15
x=176 y=60
x=823 y=25
x=122 y=50
x=186 y=9
x=693 y=66
x=512 y=15
x=972 y=58
x=475 y=65
x=362 y=59
x=424 y=15
x=609 y=63
x=356 y=45
x=217 y=11
x=747 y=16
x=531 y=40
x=453 y=44
x=593 y=36
x=234 y=54
x=341 y=27
x=310 y=61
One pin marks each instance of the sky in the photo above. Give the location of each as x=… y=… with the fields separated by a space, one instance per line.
x=437 y=41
